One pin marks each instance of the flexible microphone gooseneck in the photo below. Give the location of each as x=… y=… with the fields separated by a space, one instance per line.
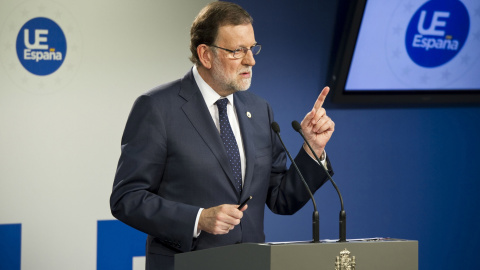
x=315 y=216
x=343 y=216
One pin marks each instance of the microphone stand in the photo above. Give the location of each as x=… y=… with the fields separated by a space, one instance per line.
x=315 y=216
x=343 y=216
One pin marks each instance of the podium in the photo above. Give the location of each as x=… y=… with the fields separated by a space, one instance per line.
x=368 y=254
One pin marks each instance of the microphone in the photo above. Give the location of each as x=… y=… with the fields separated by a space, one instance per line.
x=343 y=216
x=315 y=216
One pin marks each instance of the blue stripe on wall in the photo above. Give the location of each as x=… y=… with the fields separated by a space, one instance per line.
x=117 y=244
x=10 y=246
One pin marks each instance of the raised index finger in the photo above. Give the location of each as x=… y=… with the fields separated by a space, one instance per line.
x=321 y=98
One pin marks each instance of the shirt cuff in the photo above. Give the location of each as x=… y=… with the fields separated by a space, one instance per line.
x=323 y=159
x=196 y=233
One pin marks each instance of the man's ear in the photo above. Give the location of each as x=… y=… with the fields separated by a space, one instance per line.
x=205 y=55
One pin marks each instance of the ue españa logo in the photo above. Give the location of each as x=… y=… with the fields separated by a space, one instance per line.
x=41 y=46
x=437 y=32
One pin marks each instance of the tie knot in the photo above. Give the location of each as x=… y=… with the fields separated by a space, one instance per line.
x=222 y=104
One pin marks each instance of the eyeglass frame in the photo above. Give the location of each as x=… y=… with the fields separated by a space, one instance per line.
x=245 y=50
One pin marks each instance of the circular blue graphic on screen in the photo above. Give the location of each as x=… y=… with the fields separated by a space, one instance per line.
x=437 y=32
x=41 y=46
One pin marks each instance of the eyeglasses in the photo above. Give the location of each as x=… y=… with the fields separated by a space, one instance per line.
x=241 y=52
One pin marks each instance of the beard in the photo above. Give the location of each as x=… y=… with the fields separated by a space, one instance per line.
x=230 y=83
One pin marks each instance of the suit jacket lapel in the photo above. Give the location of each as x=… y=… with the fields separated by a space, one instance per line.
x=246 y=129
x=197 y=112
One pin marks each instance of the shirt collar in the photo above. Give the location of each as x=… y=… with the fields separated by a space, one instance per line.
x=209 y=95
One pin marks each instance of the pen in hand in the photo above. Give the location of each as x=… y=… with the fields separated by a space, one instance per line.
x=245 y=202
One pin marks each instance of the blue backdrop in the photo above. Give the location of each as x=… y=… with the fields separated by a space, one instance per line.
x=407 y=173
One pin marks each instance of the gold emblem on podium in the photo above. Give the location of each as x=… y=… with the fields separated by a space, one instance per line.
x=344 y=261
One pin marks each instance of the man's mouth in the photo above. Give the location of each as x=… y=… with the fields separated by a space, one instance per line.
x=246 y=74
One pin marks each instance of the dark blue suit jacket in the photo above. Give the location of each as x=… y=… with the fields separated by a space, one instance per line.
x=173 y=162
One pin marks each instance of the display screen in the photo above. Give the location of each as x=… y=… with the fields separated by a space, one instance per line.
x=411 y=51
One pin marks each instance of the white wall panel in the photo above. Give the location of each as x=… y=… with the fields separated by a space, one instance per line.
x=60 y=134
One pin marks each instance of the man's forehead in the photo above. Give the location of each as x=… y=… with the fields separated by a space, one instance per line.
x=236 y=35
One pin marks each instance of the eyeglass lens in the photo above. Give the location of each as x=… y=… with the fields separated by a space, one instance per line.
x=239 y=53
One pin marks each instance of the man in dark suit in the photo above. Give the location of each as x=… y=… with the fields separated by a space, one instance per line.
x=195 y=148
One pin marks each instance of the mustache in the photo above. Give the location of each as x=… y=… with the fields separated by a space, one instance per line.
x=246 y=69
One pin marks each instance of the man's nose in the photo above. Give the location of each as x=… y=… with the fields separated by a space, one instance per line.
x=248 y=60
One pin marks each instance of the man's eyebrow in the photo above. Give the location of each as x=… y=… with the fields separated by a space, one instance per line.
x=242 y=46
